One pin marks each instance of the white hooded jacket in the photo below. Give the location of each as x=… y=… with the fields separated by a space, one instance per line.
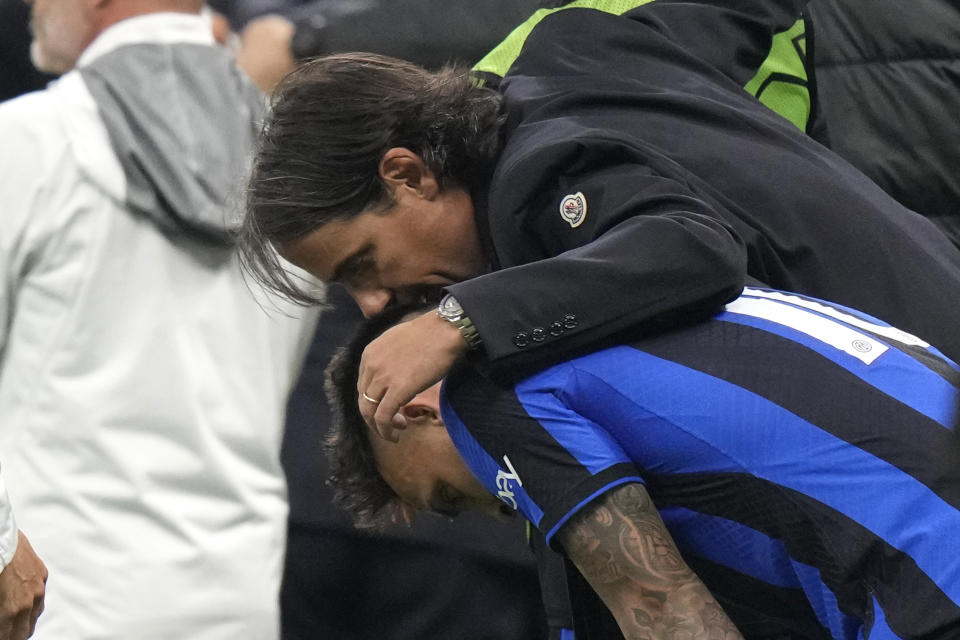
x=142 y=381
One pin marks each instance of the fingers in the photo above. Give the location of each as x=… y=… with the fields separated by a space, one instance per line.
x=22 y=624
x=402 y=362
x=369 y=402
x=35 y=614
x=380 y=404
x=383 y=414
x=366 y=390
x=387 y=418
x=22 y=587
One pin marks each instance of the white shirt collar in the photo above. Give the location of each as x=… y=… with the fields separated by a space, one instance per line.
x=156 y=28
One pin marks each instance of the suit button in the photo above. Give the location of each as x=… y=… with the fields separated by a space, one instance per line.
x=522 y=339
x=539 y=334
x=556 y=329
x=570 y=321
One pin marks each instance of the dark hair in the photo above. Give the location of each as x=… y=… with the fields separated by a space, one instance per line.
x=330 y=123
x=358 y=487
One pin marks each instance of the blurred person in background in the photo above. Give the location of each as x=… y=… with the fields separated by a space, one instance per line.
x=23 y=575
x=888 y=81
x=142 y=384
x=17 y=73
x=274 y=36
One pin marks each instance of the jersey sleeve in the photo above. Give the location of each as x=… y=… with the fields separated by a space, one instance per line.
x=528 y=448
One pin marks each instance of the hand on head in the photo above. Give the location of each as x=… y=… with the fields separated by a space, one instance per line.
x=402 y=362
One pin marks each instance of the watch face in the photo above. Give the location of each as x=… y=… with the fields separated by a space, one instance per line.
x=449 y=308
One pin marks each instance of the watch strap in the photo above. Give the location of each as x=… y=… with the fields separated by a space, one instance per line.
x=469 y=332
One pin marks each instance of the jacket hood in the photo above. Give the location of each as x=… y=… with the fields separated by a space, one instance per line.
x=183 y=121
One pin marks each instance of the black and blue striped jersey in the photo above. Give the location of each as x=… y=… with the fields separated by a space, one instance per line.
x=802 y=455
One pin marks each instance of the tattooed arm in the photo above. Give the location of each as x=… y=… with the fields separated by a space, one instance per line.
x=623 y=549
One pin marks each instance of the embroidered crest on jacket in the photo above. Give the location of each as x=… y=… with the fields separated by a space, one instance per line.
x=573 y=209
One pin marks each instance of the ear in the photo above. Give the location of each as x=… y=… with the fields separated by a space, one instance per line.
x=420 y=412
x=400 y=168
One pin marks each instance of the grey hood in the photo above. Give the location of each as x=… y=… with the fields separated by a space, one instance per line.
x=183 y=121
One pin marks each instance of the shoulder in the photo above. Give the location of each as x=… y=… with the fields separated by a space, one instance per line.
x=482 y=405
x=53 y=142
x=35 y=156
x=475 y=396
x=58 y=122
x=465 y=386
x=30 y=124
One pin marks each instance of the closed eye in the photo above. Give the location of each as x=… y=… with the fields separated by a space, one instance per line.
x=357 y=271
x=421 y=294
x=445 y=501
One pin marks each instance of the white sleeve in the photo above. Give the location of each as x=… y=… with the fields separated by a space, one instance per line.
x=25 y=181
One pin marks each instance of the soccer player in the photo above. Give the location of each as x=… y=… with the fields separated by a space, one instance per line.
x=800 y=456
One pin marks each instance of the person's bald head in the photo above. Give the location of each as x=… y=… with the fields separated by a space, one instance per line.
x=62 y=29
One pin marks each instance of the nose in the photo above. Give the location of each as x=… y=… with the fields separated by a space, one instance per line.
x=371 y=301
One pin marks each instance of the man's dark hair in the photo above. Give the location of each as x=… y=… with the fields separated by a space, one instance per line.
x=358 y=487
x=330 y=124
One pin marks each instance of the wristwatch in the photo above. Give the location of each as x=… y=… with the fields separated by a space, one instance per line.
x=451 y=311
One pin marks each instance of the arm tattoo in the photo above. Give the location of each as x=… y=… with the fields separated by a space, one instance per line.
x=625 y=552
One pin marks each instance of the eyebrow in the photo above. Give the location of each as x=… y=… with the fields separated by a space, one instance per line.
x=350 y=264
